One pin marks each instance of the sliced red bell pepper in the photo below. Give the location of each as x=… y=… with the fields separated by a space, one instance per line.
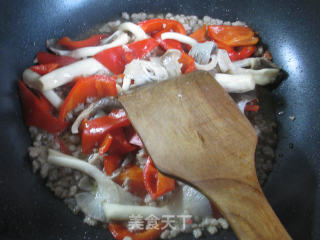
x=37 y=111
x=158 y=24
x=134 y=174
x=104 y=146
x=200 y=34
x=252 y=106
x=233 y=36
x=187 y=63
x=119 y=232
x=243 y=53
x=94 y=131
x=240 y=53
x=132 y=137
x=120 y=145
x=156 y=183
x=43 y=69
x=45 y=58
x=116 y=58
x=93 y=86
x=91 y=41
x=63 y=148
x=112 y=163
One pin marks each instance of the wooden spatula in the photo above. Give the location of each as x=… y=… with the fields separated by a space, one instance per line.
x=194 y=131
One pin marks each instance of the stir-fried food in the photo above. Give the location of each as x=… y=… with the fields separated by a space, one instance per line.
x=85 y=145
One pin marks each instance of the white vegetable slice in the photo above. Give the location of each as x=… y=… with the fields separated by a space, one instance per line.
x=53 y=98
x=170 y=60
x=91 y=204
x=224 y=61
x=110 y=191
x=91 y=110
x=67 y=73
x=143 y=71
x=207 y=67
x=201 y=52
x=31 y=78
x=117 y=212
x=179 y=37
x=192 y=201
x=121 y=39
x=136 y=30
x=235 y=83
x=260 y=77
x=184 y=200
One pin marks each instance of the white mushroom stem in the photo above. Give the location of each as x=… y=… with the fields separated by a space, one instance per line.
x=117 y=212
x=109 y=190
x=31 y=78
x=67 y=73
x=136 y=30
x=260 y=77
x=179 y=37
x=235 y=83
x=53 y=98
x=63 y=160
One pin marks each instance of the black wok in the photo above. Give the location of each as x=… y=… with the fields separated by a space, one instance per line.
x=290 y=28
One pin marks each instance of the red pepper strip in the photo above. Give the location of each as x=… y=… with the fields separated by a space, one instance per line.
x=94 y=131
x=132 y=137
x=45 y=58
x=167 y=43
x=112 y=163
x=244 y=52
x=156 y=183
x=43 y=69
x=234 y=55
x=200 y=34
x=252 y=106
x=187 y=63
x=116 y=58
x=119 y=144
x=233 y=36
x=92 y=86
x=63 y=148
x=135 y=176
x=91 y=41
x=119 y=232
x=37 y=111
x=158 y=24
x=104 y=146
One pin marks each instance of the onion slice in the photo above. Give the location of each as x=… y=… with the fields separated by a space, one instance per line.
x=179 y=37
x=134 y=29
x=92 y=109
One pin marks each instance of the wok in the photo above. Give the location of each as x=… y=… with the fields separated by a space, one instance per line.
x=290 y=28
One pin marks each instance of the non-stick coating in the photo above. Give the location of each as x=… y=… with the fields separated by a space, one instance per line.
x=28 y=209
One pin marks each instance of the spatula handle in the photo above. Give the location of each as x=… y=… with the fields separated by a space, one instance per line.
x=246 y=209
